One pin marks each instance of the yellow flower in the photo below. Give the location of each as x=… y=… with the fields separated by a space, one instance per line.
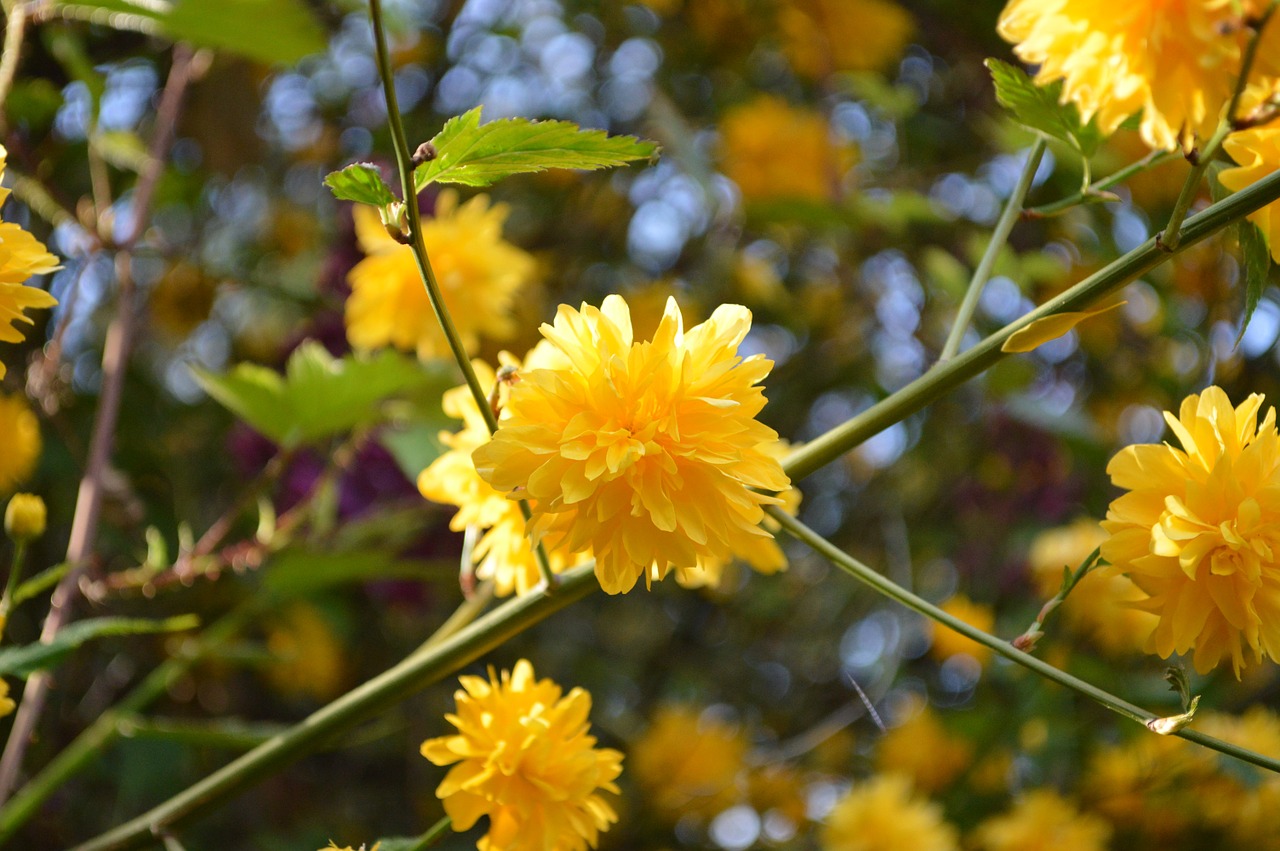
x=480 y=276
x=947 y=642
x=1171 y=60
x=524 y=758
x=333 y=844
x=775 y=151
x=1198 y=532
x=309 y=658
x=609 y=443
x=20 y=437
x=1100 y=606
x=1257 y=151
x=824 y=36
x=21 y=256
x=504 y=553
x=688 y=763
x=1042 y=821
x=24 y=518
x=882 y=814
x=6 y=703
x=924 y=750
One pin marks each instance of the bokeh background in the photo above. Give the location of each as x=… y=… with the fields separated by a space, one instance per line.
x=834 y=166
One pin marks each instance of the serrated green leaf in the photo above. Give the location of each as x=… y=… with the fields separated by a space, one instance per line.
x=1255 y=261
x=1039 y=108
x=29 y=658
x=472 y=154
x=319 y=395
x=360 y=182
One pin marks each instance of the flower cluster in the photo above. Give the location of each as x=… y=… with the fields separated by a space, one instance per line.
x=646 y=454
x=523 y=757
x=1174 y=61
x=480 y=276
x=1199 y=530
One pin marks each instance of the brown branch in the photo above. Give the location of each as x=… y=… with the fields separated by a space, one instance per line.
x=115 y=357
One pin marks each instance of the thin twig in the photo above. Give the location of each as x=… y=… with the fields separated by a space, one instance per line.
x=115 y=357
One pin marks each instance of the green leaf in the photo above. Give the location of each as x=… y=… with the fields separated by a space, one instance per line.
x=1256 y=266
x=299 y=572
x=318 y=396
x=360 y=182
x=473 y=154
x=270 y=31
x=29 y=658
x=1038 y=108
x=121 y=148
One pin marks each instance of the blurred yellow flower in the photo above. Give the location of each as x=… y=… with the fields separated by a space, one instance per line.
x=523 y=757
x=1257 y=151
x=1172 y=60
x=688 y=763
x=334 y=845
x=182 y=299
x=1198 y=530
x=882 y=814
x=6 y=703
x=309 y=657
x=1042 y=820
x=20 y=437
x=609 y=443
x=1100 y=606
x=773 y=150
x=503 y=553
x=24 y=518
x=21 y=256
x=947 y=642
x=922 y=749
x=778 y=789
x=824 y=36
x=480 y=276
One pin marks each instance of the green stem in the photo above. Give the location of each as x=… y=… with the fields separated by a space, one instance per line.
x=426 y=665
x=11 y=584
x=432 y=836
x=1172 y=235
x=408 y=191
x=107 y=727
x=890 y=589
x=1098 y=191
x=1000 y=236
x=942 y=379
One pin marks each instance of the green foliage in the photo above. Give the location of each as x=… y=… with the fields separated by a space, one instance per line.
x=360 y=182
x=472 y=154
x=299 y=572
x=27 y=659
x=1255 y=267
x=270 y=31
x=319 y=396
x=1039 y=108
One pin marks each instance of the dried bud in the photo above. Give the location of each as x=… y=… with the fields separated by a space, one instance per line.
x=24 y=519
x=425 y=153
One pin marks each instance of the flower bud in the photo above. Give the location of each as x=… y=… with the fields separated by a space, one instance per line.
x=25 y=517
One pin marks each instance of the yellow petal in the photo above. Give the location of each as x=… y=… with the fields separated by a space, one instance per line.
x=1050 y=328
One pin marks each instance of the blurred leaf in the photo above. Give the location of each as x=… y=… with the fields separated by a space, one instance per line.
x=360 y=182
x=298 y=572
x=1255 y=261
x=398 y=843
x=121 y=148
x=1038 y=108
x=472 y=154
x=317 y=397
x=29 y=658
x=33 y=103
x=42 y=580
x=1051 y=328
x=270 y=31
x=414 y=446
x=228 y=733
